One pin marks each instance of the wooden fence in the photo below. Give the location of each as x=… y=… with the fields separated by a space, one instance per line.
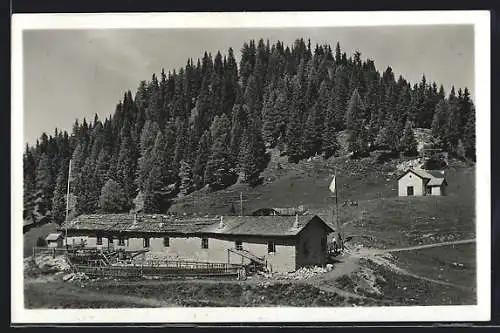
x=53 y=251
x=98 y=268
x=95 y=263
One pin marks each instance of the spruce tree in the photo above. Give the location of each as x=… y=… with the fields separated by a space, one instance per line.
x=329 y=143
x=313 y=129
x=354 y=121
x=469 y=136
x=440 y=120
x=113 y=198
x=252 y=154
x=155 y=190
x=219 y=172
x=408 y=141
x=202 y=156
x=186 y=178
x=59 y=197
x=295 y=127
x=44 y=187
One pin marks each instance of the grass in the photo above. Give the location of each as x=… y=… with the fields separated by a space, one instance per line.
x=181 y=293
x=454 y=264
x=410 y=290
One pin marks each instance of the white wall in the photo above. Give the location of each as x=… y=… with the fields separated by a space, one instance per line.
x=189 y=248
x=435 y=190
x=410 y=179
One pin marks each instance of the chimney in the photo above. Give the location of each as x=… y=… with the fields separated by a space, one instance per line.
x=135 y=218
x=221 y=223
x=296 y=223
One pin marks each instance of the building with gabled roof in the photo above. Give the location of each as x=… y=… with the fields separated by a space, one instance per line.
x=419 y=182
x=284 y=243
x=54 y=240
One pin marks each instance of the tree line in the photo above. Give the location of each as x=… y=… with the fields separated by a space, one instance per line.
x=209 y=124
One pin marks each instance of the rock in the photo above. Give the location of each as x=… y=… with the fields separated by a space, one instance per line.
x=68 y=277
x=329 y=267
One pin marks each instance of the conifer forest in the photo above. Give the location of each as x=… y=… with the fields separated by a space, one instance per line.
x=209 y=123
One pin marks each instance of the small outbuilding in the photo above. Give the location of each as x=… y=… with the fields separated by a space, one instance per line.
x=54 y=240
x=419 y=182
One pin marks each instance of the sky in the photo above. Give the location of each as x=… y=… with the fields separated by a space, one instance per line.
x=72 y=74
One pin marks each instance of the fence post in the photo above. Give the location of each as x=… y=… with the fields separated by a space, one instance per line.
x=54 y=253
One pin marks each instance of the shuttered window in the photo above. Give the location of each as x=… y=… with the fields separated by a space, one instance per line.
x=271 y=247
x=204 y=243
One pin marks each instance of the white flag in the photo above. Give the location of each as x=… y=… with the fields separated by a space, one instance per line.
x=332 y=185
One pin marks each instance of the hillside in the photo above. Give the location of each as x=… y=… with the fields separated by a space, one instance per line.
x=372 y=185
x=31 y=236
x=208 y=124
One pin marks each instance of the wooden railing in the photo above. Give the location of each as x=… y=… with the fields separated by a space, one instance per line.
x=161 y=268
x=54 y=251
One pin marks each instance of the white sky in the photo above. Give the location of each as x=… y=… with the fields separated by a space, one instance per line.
x=71 y=74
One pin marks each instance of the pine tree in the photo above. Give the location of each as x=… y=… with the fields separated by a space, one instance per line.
x=408 y=141
x=295 y=128
x=252 y=154
x=87 y=189
x=44 y=187
x=469 y=136
x=311 y=143
x=186 y=179
x=341 y=93
x=202 y=156
x=329 y=143
x=59 y=197
x=218 y=171
x=453 y=125
x=148 y=135
x=29 y=186
x=440 y=120
x=354 y=122
x=113 y=198
x=155 y=190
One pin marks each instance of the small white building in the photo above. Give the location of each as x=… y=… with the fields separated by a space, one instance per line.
x=419 y=182
x=54 y=240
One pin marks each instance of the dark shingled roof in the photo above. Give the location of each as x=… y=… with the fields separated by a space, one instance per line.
x=262 y=225
x=228 y=225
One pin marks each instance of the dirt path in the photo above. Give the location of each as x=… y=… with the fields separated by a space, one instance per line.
x=426 y=246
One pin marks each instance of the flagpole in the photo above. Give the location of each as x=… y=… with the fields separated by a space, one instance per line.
x=337 y=211
x=67 y=207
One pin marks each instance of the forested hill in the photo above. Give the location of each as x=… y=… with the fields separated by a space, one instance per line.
x=209 y=123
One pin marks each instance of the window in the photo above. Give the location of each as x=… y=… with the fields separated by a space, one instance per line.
x=409 y=190
x=271 y=247
x=121 y=241
x=238 y=245
x=166 y=241
x=146 y=242
x=99 y=240
x=428 y=190
x=204 y=243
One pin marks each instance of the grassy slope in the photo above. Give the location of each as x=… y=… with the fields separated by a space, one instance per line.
x=98 y=294
x=381 y=218
x=31 y=236
x=454 y=264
